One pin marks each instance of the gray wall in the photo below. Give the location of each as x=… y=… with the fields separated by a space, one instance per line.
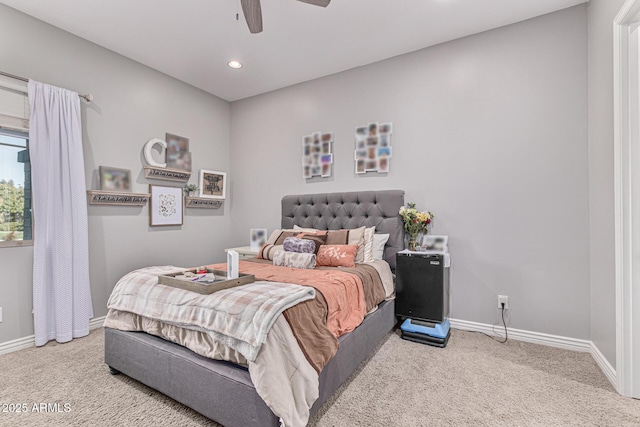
x=490 y=134
x=601 y=190
x=132 y=104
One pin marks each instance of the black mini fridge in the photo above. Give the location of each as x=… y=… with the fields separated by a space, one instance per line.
x=422 y=287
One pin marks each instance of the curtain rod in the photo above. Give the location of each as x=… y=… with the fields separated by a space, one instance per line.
x=88 y=97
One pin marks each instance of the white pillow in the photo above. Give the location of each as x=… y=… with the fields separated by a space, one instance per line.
x=368 y=244
x=379 y=240
x=305 y=230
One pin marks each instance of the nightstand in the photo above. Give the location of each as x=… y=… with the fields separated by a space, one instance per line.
x=422 y=286
x=245 y=252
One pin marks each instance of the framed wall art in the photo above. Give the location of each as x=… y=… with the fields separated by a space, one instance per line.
x=178 y=155
x=213 y=184
x=373 y=148
x=115 y=179
x=317 y=155
x=165 y=205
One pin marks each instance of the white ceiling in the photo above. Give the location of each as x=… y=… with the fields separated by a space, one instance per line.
x=192 y=40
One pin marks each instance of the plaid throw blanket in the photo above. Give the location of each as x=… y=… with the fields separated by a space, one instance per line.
x=239 y=317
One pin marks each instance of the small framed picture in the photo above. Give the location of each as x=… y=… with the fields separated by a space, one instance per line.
x=371 y=166
x=384 y=152
x=326 y=147
x=165 y=205
x=115 y=179
x=360 y=166
x=180 y=161
x=383 y=165
x=257 y=238
x=326 y=170
x=213 y=184
x=432 y=243
x=177 y=144
x=385 y=128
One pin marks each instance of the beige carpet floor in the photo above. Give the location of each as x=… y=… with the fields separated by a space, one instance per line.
x=474 y=381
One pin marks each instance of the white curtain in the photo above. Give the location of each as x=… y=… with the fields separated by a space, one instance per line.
x=61 y=293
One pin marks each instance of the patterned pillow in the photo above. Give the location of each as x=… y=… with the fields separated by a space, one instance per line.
x=319 y=238
x=337 y=255
x=367 y=246
x=294 y=259
x=267 y=251
x=284 y=235
x=294 y=244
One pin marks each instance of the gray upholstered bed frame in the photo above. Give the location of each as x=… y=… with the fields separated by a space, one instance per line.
x=223 y=391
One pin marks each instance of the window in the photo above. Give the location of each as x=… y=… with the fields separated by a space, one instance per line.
x=15 y=188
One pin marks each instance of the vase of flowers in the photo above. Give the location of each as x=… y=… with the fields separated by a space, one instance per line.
x=415 y=223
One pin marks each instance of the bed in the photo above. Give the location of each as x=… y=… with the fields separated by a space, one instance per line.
x=224 y=391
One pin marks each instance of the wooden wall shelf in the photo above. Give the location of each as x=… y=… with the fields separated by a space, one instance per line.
x=202 y=202
x=166 y=174
x=97 y=197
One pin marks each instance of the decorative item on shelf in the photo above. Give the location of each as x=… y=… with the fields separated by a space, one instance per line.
x=177 y=166
x=257 y=238
x=317 y=155
x=213 y=184
x=148 y=155
x=191 y=190
x=373 y=148
x=178 y=155
x=115 y=179
x=166 y=205
x=415 y=223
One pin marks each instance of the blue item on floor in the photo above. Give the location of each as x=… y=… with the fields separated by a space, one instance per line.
x=434 y=334
x=439 y=330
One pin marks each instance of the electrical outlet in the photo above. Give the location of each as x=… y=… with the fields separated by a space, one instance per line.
x=503 y=299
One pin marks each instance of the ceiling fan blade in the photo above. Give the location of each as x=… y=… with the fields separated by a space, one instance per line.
x=253 y=14
x=323 y=3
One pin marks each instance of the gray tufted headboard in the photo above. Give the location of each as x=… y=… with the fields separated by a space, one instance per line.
x=334 y=211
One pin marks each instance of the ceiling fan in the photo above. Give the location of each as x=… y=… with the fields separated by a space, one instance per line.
x=253 y=12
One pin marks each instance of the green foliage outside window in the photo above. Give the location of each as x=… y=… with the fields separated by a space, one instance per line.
x=11 y=211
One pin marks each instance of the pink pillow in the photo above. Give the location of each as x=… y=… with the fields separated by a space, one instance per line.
x=337 y=255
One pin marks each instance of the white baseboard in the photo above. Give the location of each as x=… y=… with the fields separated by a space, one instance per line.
x=526 y=336
x=543 y=339
x=604 y=365
x=30 y=341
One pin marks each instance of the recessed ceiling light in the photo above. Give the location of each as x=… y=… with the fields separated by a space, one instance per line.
x=234 y=64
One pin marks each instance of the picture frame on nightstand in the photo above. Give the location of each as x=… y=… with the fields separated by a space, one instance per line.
x=257 y=238
x=434 y=244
